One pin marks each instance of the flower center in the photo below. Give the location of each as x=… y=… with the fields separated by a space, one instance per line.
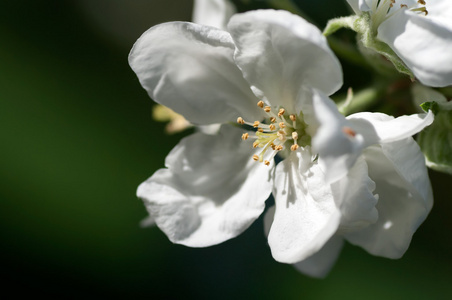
x=280 y=131
x=381 y=10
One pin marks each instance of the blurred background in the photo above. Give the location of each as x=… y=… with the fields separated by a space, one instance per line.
x=77 y=137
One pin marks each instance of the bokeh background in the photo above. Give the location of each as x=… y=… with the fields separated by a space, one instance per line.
x=77 y=137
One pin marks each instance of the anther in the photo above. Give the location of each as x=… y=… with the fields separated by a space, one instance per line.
x=260 y=129
x=282 y=125
x=422 y=2
x=281 y=112
x=255 y=144
x=295 y=135
x=260 y=104
x=256 y=124
x=294 y=147
x=403 y=5
x=256 y=157
x=281 y=135
x=272 y=127
x=278 y=148
x=348 y=131
x=240 y=120
x=245 y=136
x=292 y=117
x=267 y=163
x=267 y=109
x=273 y=119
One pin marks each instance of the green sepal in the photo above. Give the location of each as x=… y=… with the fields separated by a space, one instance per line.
x=436 y=141
x=433 y=106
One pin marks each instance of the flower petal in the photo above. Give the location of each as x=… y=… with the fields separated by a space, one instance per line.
x=422 y=43
x=306 y=216
x=337 y=144
x=280 y=53
x=381 y=128
x=215 y=13
x=406 y=198
x=355 y=198
x=210 y=192
x=189 y=68
x=320 y=264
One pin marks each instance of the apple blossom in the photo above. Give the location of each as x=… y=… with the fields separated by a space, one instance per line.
x=215 y=186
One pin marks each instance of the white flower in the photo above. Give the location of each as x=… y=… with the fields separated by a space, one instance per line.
x=419 y=32
x=215 y=13
x=213 y=186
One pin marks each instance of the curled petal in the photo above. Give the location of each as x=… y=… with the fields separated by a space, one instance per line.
x=405 y=198
x=306 y=216
x=190 y=69
x=210 y=192
x=280 y=54
x=381 y=128
x=337 y=143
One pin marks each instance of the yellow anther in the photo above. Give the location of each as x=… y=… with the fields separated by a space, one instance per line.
x=260 y=129
x=267 y=109
x=278 y=148
x=256 y=124
x=256 y=157
x=240 y=120
x=294 y=147
x=292 y=117
x=421 y=2
x=245 y=136
x=282 y=125
x=273 y=146
x=260 y=104
x=267 y=163
x=255 y=144
x=281 y=135
x=281 y=112
x=273 y=119
x=295 y=135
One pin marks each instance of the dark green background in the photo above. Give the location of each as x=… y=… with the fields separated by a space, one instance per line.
x=76 y=140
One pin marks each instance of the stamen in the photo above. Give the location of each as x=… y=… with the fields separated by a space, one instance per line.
x=403 y=6
x=256 y=124
x=245 y=136
x=281 y=112
x=260 y=129
x=240 y=120
x=267 y=109
x=292 y=117
x=272 y=127
x=294 y=147
x=256 y=157
x=260 y=104
x=278 y=148
x=282 y=125
x=273 y=119
x=422 y=2
x=281 y=135
x=255 y=144
x=295 y=135
x=267 y=163
x=348 y=131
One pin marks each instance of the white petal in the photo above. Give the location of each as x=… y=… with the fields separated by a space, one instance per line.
x=211 y=192
x=189 y=68
x=280 y=54
x=381 y=128
x=360 y=5
x=399 y=172
x=320 y=264
x=338 y=149
x=306 y=216
x=215 y=13
x=423 y=44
